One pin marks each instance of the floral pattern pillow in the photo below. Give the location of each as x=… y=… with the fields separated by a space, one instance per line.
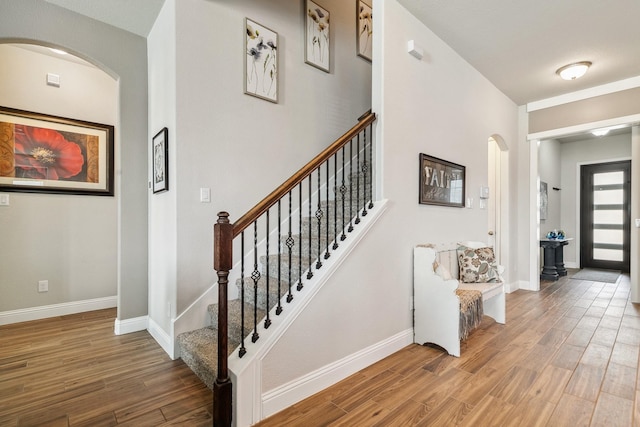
x=477 y=265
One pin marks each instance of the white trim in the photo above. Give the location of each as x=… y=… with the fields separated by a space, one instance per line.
x=584 y=127
x=571 y=264
x=46 y=311
x=128 y=326
x=161 y=337
x=511 y=287
x=294 y=391
x=523 y=284
x=605 y=89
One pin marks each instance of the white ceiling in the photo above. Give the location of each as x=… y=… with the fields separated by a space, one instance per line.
x=135 y=16
x=519 y=44
x=516 y=44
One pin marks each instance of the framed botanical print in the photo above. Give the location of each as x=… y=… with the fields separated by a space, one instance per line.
x=261 y=61
x=365 y=29
x=317 y=37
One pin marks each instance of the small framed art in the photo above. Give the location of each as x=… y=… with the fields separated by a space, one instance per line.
x=160 y=150
x=365 y=29
x=261 y=61
x=317 y=37
x=441 y=182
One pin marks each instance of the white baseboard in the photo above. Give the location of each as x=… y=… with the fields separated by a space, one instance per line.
x=63 y=309
x=162 y=338
x=288 y=394
x=571 y=264
x=511 y=287
x=128 y=326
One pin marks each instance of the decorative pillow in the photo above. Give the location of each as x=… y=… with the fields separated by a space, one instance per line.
x=477 y=265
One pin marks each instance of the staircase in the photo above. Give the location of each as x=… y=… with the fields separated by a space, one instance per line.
x=199 y=348
x=289 y=234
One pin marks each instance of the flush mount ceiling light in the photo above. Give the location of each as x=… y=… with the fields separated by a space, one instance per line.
x=573 y=71
x=58 y=51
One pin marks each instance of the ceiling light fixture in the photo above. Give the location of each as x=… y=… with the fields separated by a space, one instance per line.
x=58 y=51
x=573 y=71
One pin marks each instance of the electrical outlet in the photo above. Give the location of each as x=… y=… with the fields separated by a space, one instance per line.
x=43 y=286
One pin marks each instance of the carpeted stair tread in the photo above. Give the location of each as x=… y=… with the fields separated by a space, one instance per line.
x=234 y=315
x=199 y=351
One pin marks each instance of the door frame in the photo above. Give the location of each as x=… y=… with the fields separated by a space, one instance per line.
x=580 y=225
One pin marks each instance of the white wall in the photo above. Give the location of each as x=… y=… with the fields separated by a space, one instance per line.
x=240 y=146
x=163 y=222
x=573 y=155
x=439 y=106
x=68 y=240
x=549 y=170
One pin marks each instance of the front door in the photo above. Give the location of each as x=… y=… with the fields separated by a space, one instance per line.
x=605 y=215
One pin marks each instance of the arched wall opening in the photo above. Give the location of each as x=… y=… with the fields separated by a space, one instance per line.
x=67 y=240
x=498 y=197
x=124 y=56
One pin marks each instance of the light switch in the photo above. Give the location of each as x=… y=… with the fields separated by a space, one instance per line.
x=637 y=222
x=205 y=195
x=4 y=200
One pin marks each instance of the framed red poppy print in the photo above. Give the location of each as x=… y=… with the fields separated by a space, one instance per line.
x=48 y=154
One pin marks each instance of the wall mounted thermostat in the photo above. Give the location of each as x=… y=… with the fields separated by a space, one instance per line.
x=484 y=192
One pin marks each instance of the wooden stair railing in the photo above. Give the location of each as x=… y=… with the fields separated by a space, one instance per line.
x=225 y=232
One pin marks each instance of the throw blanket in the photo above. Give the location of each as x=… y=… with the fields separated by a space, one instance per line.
x=471 y=311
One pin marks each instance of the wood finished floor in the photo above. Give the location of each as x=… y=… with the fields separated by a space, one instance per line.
x=73 y=371
x=568 y=356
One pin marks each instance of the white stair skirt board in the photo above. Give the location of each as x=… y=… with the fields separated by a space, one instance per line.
x=246 y=372
x=63 y=309
x=288 y=394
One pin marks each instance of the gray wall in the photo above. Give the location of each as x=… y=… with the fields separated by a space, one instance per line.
x=122 y=55
x=549 y=170
x=65 y=239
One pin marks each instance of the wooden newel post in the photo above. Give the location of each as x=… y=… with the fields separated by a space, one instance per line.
x=222 y=263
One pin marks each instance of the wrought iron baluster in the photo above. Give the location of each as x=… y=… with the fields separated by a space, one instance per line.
x=350 y=229
x=290 y=243
x=358 y=181
x=343 y=191
x=310 y=273
x=326 y=203
x=255 y=276
x=300 y=285
x=365 y=166
x=279 y=308
x=370 y=165
x=335 y=201
x=319 y=215
x=243 y=349
x=267 y=320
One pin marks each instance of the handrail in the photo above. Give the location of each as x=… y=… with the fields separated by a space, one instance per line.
x=225 y=232
x=255 y=212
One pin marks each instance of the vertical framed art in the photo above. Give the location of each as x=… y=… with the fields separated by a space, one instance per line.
x=261 y=61
x=160 y=150
x=316 y=52
x=364 y=29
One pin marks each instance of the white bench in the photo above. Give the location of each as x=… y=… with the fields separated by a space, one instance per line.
x=436 y=305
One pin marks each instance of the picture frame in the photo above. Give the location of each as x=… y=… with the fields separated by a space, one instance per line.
x=317 y=36
x=441 y=182
x=364 y=34
x=160 y=154
x=41 y=153
x=544 y=201
x=261 y=61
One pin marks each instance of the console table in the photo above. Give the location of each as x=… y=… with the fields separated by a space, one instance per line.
x=553 y=266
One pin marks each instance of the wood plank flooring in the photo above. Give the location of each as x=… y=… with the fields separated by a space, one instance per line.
x=73 y=371
x=568 y=356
